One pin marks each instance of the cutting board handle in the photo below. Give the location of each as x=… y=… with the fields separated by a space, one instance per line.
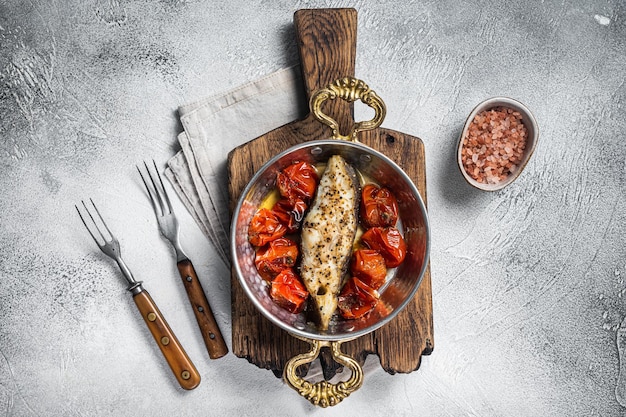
x=327 y=45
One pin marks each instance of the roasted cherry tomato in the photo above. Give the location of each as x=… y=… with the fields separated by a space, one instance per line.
x=265 y=227
x=369 y=266
x=288 y=291
x=279 y=254
x=356 y=299
x=290 y=214
x=379 y=207
x=388 y=241
x=297 y=182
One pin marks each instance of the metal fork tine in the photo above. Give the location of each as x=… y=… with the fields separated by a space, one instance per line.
x=157 y=191
x=85 y=223
x=153 y=199
x=101 y=221
x=93 y=221
x=155 y=194
x=164 y=194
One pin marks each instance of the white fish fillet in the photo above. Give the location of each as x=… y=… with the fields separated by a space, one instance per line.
x=328 y=234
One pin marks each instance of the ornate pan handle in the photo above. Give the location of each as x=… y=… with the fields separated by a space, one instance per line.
x=323 y=393
x=349 y=89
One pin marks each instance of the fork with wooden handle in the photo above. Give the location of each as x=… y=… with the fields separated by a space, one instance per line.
x=168 y=224
x=182 y=367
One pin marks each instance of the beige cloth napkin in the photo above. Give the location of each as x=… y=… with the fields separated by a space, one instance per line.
x=215 y=126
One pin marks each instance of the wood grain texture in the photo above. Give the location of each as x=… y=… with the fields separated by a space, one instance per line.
x=184 y=370
x=211 y=333
x=335 y=29
x=327 y=43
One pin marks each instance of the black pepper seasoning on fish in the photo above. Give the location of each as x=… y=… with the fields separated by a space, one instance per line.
x=328 y=233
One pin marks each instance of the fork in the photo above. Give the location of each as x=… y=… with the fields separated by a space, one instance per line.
x=176 y=357
x=168 y=224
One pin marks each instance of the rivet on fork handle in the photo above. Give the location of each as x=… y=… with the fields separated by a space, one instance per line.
x=182 y=367
x=216 y=346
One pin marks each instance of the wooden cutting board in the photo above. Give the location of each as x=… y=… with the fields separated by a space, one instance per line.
x=327 y=44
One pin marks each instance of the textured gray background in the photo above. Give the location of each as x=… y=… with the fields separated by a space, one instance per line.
x=528 y=282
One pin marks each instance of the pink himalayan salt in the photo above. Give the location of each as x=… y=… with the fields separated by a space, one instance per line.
x=494 y=145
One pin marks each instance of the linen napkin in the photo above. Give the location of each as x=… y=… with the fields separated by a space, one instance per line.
x=216 y=125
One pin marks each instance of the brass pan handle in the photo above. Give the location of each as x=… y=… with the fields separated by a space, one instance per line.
x=349 y=89
x=323 y=393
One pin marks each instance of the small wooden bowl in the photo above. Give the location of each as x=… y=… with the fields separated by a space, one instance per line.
x=531 y=140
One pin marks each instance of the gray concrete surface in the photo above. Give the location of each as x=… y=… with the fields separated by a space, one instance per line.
x=528 y=282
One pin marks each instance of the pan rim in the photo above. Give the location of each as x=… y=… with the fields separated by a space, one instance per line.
x=330 y=337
